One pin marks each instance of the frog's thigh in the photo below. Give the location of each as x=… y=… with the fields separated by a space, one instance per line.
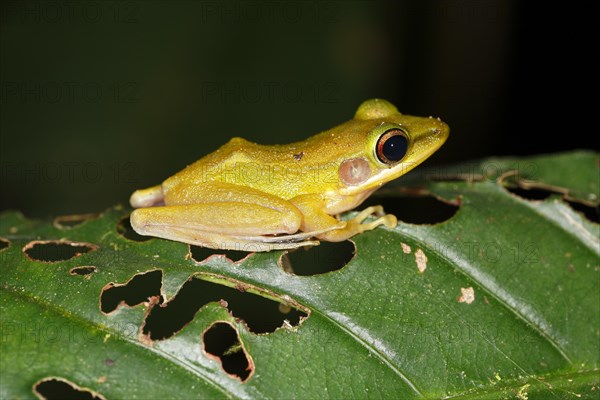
x=232 y=219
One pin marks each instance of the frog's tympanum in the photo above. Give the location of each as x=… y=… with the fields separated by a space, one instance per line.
x=247 y=196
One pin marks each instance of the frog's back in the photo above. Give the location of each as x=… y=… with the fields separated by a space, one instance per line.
x=275 y=169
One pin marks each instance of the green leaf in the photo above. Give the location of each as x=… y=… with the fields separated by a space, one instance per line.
x=378 y=327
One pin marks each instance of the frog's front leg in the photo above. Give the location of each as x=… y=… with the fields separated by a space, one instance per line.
x=315 y=219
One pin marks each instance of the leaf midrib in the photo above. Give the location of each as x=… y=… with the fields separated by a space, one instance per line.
x=373 y=350
x=514 y=383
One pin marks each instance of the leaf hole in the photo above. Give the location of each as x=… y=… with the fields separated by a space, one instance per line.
x=535 y=194
x=533 y=191
x=60 y=389
x=316 y=260
x=4 y=243
x=589 y=212
x=140 y=288
x=419 y=210
x=83 y=270
x=260 y=314
x=221 y=341
x=125 y=229
x=202 y=254
x=65 y=222
x=55 y=250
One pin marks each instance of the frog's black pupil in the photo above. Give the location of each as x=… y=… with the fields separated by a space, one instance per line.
x=394 y=148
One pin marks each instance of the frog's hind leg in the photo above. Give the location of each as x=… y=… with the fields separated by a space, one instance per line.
x=224 y=225
x=149 y=197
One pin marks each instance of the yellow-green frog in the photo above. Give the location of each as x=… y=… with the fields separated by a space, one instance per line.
x=252 y=197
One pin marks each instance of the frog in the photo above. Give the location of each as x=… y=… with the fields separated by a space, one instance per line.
x=254 y=197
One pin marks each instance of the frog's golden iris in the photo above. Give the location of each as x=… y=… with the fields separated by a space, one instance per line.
x=392 y=146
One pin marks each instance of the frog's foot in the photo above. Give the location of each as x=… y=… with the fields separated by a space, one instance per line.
x=356 y=223
x=252 y=244
x=294 y=238
x=277 y=242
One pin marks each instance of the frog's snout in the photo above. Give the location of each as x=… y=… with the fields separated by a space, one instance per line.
x=440 y=131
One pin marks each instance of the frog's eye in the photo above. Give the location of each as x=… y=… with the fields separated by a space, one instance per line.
x=392 y=146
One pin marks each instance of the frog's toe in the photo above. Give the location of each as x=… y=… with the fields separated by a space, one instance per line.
x=149 y=197
x=367 y=212
x=389 y=220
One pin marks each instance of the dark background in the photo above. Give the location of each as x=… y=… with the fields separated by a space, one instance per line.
x=99 y=98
